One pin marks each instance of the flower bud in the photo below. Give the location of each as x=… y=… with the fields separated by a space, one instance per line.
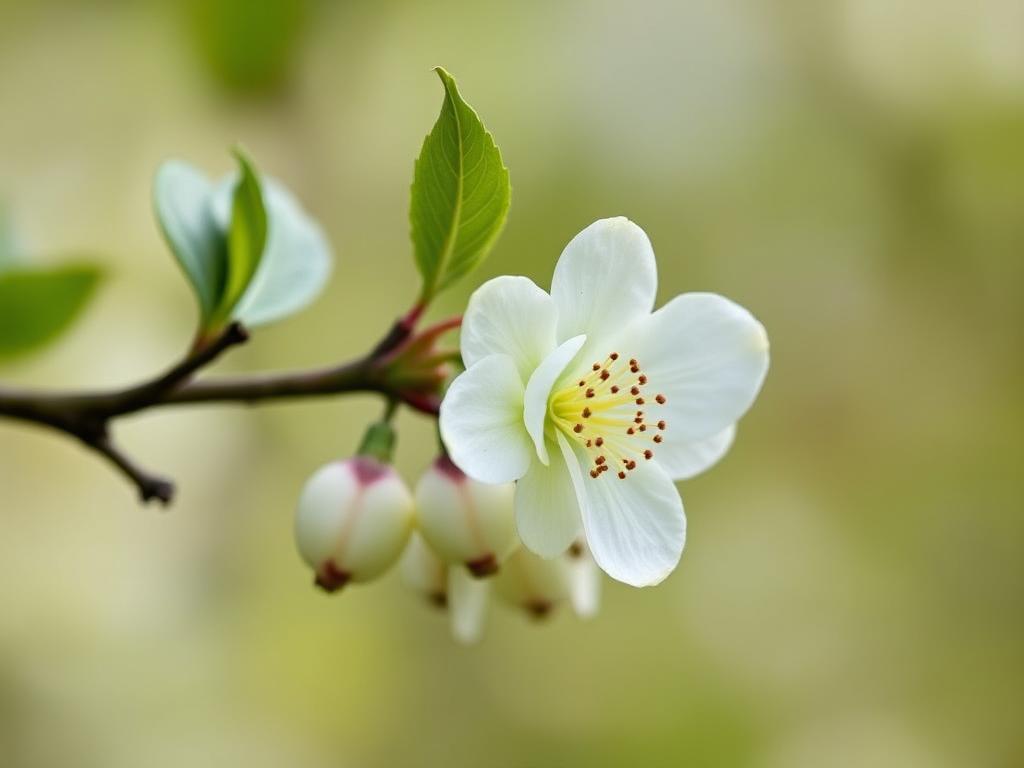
x=446 y=586
x=354 y=519
x=465 y=521
x=584 y=580
x=532 y=583
x=423 y=572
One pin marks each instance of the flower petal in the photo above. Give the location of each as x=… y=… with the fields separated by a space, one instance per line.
x=635 y=528
x=547 y=513
x=511 y=316
x=481 y=422
x=707 y=355
x=467 y=601
x=605 y=279
x=538 y=390
x=683 y=460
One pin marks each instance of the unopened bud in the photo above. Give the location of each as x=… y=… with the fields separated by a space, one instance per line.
x=446 y=586
x=354 y=519
x=424 y=572
x=532 y=583
x=465 y=521
x=584 y=579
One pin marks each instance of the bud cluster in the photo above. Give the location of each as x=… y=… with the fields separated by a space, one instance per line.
x=455 y=539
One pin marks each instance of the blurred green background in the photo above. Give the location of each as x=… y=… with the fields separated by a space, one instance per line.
x=853 y=585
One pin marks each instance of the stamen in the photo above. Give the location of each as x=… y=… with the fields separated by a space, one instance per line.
x=601 y=414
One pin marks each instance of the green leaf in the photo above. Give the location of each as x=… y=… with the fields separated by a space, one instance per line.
x=247 y=237
x=8 y=249
x=295 y=265
x=37 y=305
x=460 y=194
x=180 y=200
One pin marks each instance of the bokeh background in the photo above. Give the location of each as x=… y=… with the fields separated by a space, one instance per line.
x=852 y=590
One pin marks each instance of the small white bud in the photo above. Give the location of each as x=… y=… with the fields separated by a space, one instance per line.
x=424 y=572
x=467 y=601
x=532 y=583
x=354 y=519
x=584 y=579
x=465 y=521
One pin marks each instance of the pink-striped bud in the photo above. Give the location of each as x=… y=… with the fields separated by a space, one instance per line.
x=464 y=521
x=354 y=519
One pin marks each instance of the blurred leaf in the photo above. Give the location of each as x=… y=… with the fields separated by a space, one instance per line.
x=248 y=45
x=37 y=305
x=295 y=265
x=180 y=197
x=8 y=244
x=247 y=236
x=460 y=194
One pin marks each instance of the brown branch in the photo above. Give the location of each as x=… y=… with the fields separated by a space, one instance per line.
x=87 y=416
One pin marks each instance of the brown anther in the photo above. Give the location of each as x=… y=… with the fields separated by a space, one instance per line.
x=588 y=443
x=634 y=391
x=634 y=369
x=642 y=427
x=630 y=431
x=578 y=428
x=599 y=442
x=615 y=389
x=614 y=355
x=586 y=413
x=605 y=375
x=594 y=473
x=596 y=366
x=642 y=379
x=622 y=475
x=660 y=399
x=589 y=392
x=657 y=438
x=599 y=460
x=639 y=401
x=648 y=454
x=638 y=420
x=662 y=424
x=632 y=361
x=631 y=465
x=583 y=383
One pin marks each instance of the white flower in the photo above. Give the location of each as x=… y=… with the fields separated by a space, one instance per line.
x=594 y=404
x=466 y=522
x=353 y=521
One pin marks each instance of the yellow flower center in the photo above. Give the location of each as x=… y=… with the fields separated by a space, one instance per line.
x=607 y=412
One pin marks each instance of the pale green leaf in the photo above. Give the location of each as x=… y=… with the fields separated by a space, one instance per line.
x=295 y=265
x=460 y=194
x=37 y=305
x=247 y=236
x=181 y=202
